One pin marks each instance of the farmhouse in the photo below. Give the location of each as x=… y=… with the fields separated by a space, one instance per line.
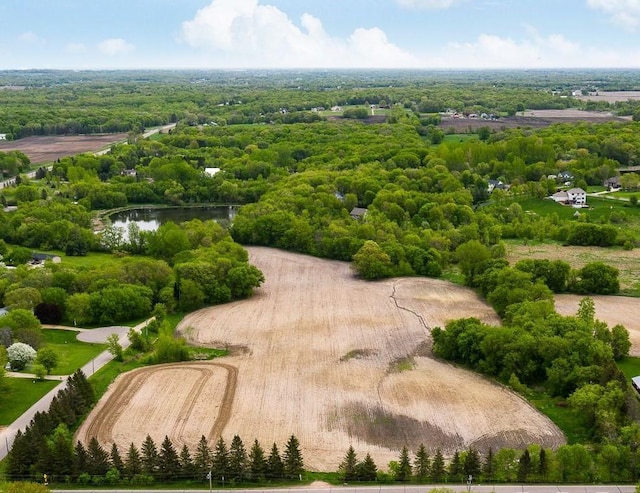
x=612 y=183
x=38 y=259
x=496 y=185
x=211 y=171
x=575 y=197
x=635 y=381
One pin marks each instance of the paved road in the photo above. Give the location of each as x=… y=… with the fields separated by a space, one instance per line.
x=7 y=435
x=406 y=489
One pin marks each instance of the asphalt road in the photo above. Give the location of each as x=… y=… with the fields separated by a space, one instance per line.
x=405 y=489
x=7 y=435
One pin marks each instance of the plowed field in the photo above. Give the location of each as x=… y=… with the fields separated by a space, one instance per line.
x=335 y=361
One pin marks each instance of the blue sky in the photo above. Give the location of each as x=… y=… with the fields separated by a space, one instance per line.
x=461 y=34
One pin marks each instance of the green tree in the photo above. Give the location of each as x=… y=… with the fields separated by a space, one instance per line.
x=471 y=466
x=367 y=469
x=371 y=262
x=220 y=461
x=48 y=358
x=168 y=461
x=187 y=467
x=275 y=466
x=597 y=278
x=488 y=467
x=149 y=456
x=133 y=462
x=115 y=348
x=237 y=460
x=471 y=256
x=97 y=458
x=404 y=466
x=116 y=459
x=292 y=460
x=437 y=467
x=257 y=462
x=454 y=472
x=524 y=466
x=24 y=298
x=347 y=468
x=203 y=458
x=421 y=464
x=620 y=342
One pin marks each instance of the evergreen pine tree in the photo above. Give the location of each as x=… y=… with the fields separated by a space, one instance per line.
x=187 y=468
x=116 y=459
x=220 y=461
x=421 y=464
x=237 y=460
x=543 y=464
x=293 y=462
x=437 y=467
x=60 y=450
x=454 y=473
x=168 y=463
x=488 y=468
x=133 y=464
x=149 y=456
x=367 y=469
x=275 y=467
x=17 y=468
x=97 y=458
x=202 y=459
x=404 y=466
x=471 y=466
x=80 y=459
x=257 y=462
x=349 y=465
x=524 y=466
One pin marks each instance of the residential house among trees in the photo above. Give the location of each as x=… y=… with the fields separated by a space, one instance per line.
x=575 y=197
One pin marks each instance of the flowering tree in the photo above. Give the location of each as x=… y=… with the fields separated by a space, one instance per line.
x=19 y=355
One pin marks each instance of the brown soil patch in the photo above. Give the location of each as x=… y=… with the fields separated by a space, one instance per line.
x=530 y=119
x=613 y=310
x=613 y=96
x=320 y=346
x=183 y=401
x=627 y=261
x=48 y=149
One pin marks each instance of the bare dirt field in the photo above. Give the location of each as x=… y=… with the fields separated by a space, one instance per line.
x=627 y=261
x=334 y=360
x=610 y=309
x=613 y=96
x=48 y=149
x=530 y=119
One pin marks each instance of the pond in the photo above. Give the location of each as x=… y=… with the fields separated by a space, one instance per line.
x=151 y=219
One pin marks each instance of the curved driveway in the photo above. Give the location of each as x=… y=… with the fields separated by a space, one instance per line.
x=7 y=435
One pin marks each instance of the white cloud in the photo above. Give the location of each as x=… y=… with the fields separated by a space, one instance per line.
x=29 y=37
x=625 y=13
x=535 y=51
x=115 y=46
x=245 y=33
x=427 y=4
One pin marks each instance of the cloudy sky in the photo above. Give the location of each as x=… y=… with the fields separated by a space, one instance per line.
x=90 y=34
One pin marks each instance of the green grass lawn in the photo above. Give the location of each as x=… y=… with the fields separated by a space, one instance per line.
x=630 y=367
x=565 y=418
x=458 y=138
x=19 y=394
x=599 y=208
x=73 y=354
x=625 y=195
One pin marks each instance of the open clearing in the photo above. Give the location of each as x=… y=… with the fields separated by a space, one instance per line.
x=530 y=119
x=332 y=359
x=48 y=149
x=613 y=96
x=627 y=261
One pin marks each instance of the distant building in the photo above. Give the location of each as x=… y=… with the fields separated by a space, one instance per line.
x=3 y=136
x=211 y=171
x=612 y=183
x=575 y=197
x=358 y=212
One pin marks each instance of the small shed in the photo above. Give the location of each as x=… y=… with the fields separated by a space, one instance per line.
x=358 y=212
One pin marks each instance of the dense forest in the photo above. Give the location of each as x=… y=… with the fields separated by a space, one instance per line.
x=396 y=196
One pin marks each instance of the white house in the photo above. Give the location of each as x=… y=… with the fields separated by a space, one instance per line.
x=211 y=171
x=577 y=196
x=3 y=136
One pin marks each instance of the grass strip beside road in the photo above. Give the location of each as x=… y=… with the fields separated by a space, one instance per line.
x=19 y=394
x=72 y=353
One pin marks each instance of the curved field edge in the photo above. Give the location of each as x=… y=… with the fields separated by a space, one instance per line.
x=332 y=359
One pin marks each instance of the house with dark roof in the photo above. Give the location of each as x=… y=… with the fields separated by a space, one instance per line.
x=358 y=212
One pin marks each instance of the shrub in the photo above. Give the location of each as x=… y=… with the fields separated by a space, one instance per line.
x=19 y=355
